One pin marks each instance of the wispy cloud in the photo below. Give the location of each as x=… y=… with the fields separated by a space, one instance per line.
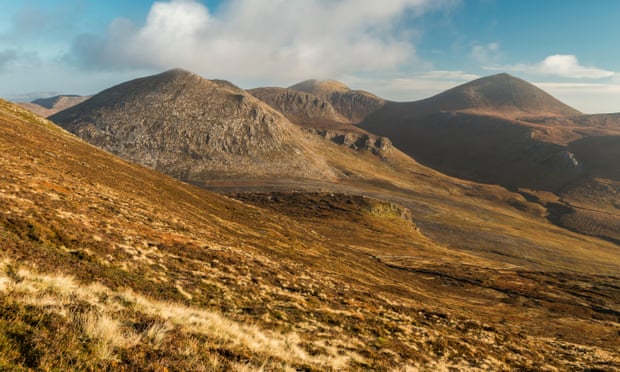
x=562 y=65
x=485 y=53
x=287 y=39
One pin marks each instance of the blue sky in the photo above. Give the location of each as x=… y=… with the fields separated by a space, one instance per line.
x=399 y=49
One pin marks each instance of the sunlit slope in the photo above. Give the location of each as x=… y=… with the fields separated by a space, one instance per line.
x=110 y=265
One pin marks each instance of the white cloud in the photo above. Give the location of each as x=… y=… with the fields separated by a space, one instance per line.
x=567 y=65
x=449 y=75
x=563 y=65
x=259 y=39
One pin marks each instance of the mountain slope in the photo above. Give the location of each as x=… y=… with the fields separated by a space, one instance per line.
x=194 y=129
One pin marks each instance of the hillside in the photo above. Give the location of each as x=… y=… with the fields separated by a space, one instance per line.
x=107 y=264
x=194 y=129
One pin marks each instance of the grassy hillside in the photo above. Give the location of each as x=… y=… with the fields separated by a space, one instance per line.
x=109 y=265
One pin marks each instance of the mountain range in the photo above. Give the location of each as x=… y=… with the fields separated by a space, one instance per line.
x=477 y=229
x=496 y=130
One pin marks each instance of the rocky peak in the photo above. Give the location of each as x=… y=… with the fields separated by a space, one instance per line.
x=193 y=128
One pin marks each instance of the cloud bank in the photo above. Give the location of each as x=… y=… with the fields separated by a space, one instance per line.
x=262 y=39
x=562 y=65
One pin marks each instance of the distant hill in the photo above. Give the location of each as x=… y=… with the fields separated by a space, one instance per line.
x=325 y=104
x=61 y=102
x=51 y=105
x=194 y=129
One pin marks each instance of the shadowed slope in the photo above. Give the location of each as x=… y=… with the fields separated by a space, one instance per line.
x=477 y=131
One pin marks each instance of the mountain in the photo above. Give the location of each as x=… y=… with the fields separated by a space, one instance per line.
x=107 y=264
x=498 y=94
x=355 y=162
x=480 y=131
x=499 y=129
x=194 y=129
x=49 y=106
x=503 y=130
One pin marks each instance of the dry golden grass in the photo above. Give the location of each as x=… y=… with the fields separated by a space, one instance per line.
x=107 y=319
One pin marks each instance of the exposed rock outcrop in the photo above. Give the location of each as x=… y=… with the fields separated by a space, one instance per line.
x=302 y=108
x=355 y=105
x=380 y=146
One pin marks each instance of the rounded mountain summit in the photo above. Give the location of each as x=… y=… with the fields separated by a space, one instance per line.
x=500 y=95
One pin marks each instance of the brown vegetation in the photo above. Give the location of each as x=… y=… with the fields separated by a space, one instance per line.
x=117 y=266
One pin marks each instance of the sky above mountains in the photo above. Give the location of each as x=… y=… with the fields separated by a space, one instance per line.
x=398 y=49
